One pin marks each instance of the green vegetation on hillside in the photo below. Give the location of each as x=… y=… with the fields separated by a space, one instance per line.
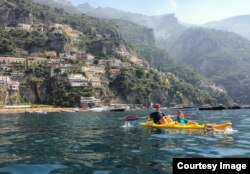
x=221 y=56
x=33 y=41
x=135 y=33
x=191 y=83
x=102 y=38
x=61 y=93
x=136 y=80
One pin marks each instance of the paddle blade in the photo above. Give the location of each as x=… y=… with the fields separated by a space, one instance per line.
x=132 y=118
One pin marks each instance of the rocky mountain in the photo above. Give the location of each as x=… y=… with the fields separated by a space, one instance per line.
x=223 y=57
x=135 y=34
x=166 y=27
x=60 y=4
x=211 y=51
x=102 y=39
x=85 y=8
x=236 y=24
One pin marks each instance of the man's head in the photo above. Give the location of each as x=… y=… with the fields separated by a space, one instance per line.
x=157 y=107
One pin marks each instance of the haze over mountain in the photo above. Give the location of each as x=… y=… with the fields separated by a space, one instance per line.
x=64 y=4
x=237 y=24
x=166 y=27
x=105 y=40
x=211 y=51
x=221 y=56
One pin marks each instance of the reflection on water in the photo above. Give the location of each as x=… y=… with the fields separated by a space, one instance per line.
x=32 y=169
x=103 y=143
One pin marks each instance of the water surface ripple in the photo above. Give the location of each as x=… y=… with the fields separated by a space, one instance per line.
x=98 y=143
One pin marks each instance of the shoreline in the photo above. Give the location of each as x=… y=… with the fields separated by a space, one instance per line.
x=34 y=110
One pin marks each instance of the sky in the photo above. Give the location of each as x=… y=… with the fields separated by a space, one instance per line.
x=188 y=11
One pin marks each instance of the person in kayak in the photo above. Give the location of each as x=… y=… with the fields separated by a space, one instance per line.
x=181 y=118
x=159 y=117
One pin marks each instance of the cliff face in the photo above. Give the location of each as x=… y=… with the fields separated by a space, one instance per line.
x=8 y=97
x=34 y=93
x=11 y=16
x=48 y=41
x=3 y=94
x=102 y=48
x=164 y=97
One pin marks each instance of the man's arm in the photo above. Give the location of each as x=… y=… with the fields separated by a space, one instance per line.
x=149 y=118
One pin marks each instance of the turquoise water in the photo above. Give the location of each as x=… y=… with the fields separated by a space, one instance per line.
x=97 y=143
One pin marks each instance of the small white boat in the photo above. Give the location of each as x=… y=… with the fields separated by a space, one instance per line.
x=99 y=109
x=68 y=111
x=41 y=112
x=76 y=109
x=28 y=111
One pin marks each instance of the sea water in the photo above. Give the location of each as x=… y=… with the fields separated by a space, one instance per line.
x=103 y=143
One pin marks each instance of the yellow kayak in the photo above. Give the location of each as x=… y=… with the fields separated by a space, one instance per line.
x=189 y=125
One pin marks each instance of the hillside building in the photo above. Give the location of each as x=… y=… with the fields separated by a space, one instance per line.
x=12 y=61
x=78 y=80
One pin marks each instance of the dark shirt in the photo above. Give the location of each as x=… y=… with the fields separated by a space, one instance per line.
x=156 y=116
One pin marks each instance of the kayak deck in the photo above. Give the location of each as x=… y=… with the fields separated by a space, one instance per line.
x=191 y=125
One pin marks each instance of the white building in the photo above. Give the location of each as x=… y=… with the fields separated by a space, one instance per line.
x=90 y=59
x=115 y=63
x=93 y=69
x=103 y=62
x=89 y=100
x=78 y=80
x=13 y=86
x=25 y=27
x=123 y=53
x=4 y=79
x=67 y=56
x=96 y=82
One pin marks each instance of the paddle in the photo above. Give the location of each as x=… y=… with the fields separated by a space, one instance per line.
x=132 y=118
x=135 y=117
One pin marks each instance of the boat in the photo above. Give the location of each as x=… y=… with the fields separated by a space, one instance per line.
x=41 y=112
x=245 y=107
x=212 y=108
x=99 y=109
x=234 y=107
x=118 y=109
x=189 y=125
x=28 y=111
x=76 y=109
x=68 y=111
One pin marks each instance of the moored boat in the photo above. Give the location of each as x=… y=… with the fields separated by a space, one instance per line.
x=41 y=112
x=212 y=108
x=68 y=111
x=99 y=109
x=118 y=109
